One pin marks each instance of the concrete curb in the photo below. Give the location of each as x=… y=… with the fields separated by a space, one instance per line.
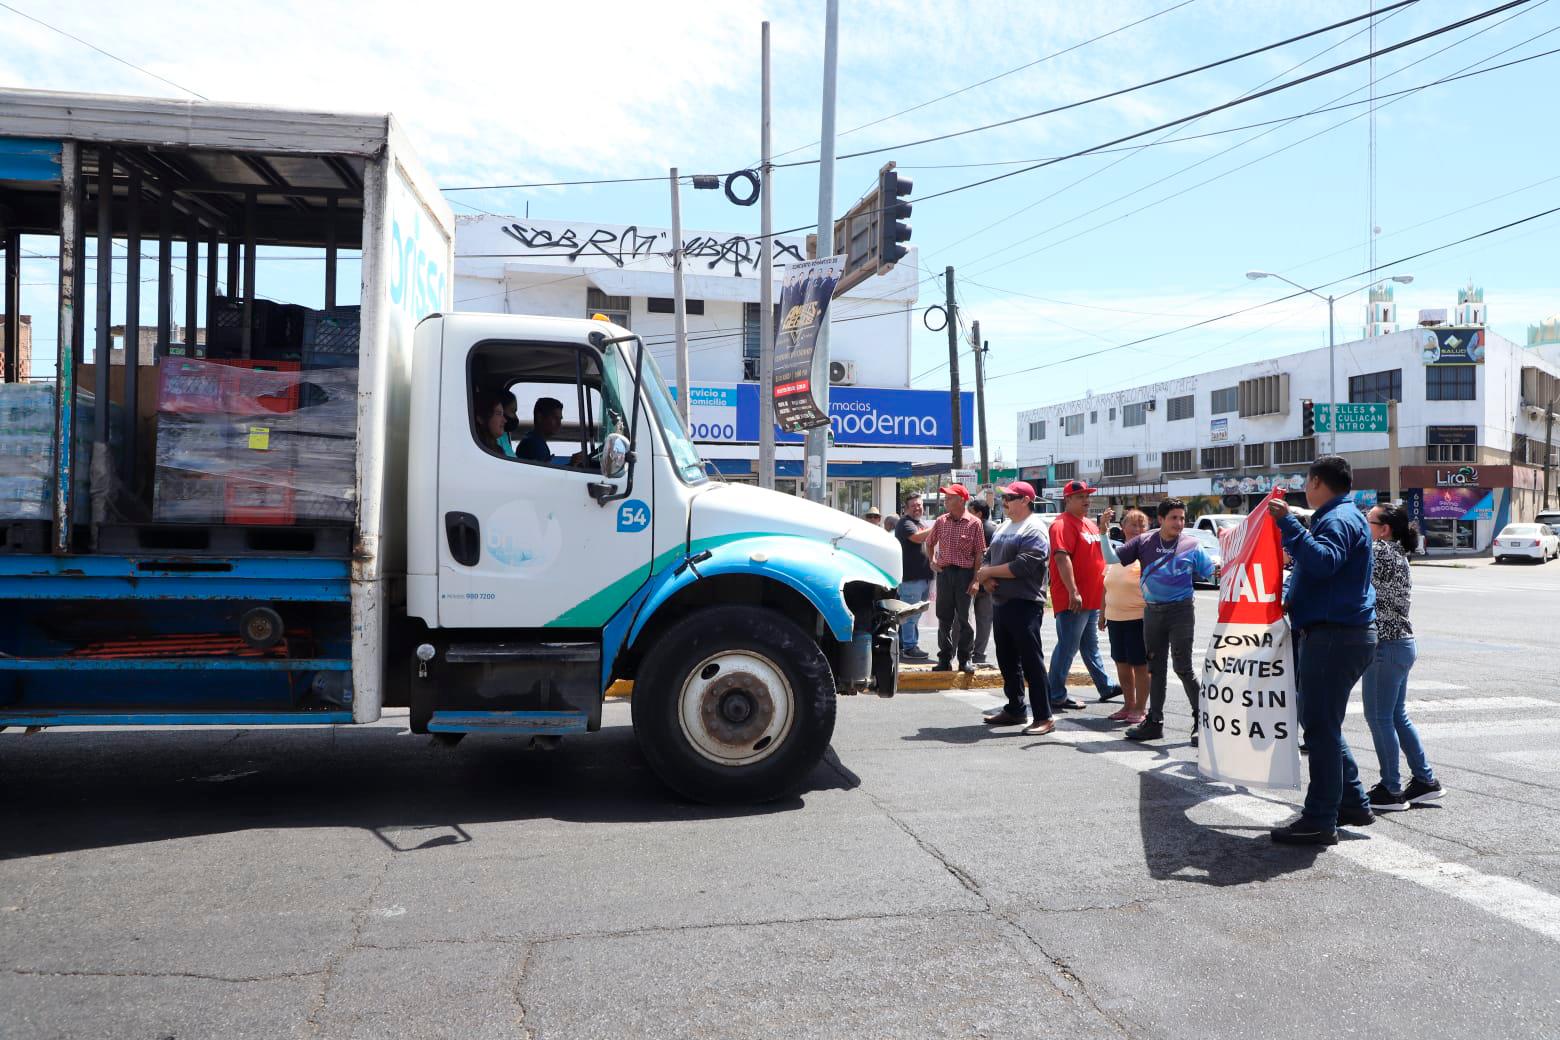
x=919 y=681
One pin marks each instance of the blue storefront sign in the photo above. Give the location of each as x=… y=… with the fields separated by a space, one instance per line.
x=860 y=416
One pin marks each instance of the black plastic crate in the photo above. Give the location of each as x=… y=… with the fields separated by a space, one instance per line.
x=331 y=337
x=277 y=330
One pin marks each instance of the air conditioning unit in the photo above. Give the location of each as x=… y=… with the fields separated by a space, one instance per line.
x=842 y=373
x=1148 y=405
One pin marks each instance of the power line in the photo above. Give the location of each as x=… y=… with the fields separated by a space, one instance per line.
x=1122 y=91
x=106 y=54
x=1282 y=299
x=1288 y=85
x=1000 y=75
x=1461 y=74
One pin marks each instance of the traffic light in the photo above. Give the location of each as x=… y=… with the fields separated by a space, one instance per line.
x=1307 y=419
x=892 y=226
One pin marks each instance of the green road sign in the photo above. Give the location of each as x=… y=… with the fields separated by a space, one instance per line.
x=1352 y=418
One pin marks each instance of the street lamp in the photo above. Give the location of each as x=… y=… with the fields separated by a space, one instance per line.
x=1332 y=367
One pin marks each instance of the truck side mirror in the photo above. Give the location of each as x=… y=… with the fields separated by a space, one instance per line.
x=614 y=455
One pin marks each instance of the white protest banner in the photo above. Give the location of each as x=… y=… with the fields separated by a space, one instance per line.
x=1247 y=710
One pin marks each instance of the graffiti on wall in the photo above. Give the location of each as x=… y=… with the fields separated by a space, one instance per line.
x=739 y=251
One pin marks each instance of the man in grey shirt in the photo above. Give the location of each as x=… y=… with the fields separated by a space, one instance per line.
x=1015 y=574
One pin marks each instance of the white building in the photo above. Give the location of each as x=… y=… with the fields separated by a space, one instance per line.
x=579 y=268
x=1471 y=427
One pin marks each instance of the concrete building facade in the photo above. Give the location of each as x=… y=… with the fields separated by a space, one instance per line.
x=1472 y=418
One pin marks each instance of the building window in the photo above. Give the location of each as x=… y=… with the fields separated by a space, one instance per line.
x=1256 y=456
x=1450 y=382
x=1222 y=402
x=1180 y=407
x=1451 y=444
x=1094 y=417
x=1037 y=430
x=616 y=308
x=1066 y=471
x=1376 y=387
x=1220 y=457
x=1177 y=461
x=1123 y=466
x=1299 y=452
x=1134 y=414
x=752 y=334
x=1072 y=425
x=667 y=305
x=1264 y=395
x=1113 y=415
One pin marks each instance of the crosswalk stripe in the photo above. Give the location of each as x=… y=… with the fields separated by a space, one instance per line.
x=1510 y=900
x=1465 y=704
x=1544 y=727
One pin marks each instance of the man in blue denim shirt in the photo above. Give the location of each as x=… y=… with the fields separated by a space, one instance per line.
x=1332 y=608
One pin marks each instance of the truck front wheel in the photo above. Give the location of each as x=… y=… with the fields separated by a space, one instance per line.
x=734 y=704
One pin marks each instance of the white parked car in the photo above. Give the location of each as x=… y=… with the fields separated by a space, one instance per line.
x=1213 y=523
x=1526 y=542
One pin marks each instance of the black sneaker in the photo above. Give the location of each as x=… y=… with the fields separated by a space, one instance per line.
x=1302 y=833
x=914 y=653
x=966 y=667
x=1384 y=799
x=1148 y=729
x=1360 y=817
x=1194 y=736
x=1418 y=792
x=942 y=666
x=1304 y=748
x=1111 y=694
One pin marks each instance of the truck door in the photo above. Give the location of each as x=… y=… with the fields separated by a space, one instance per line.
x=522 y=541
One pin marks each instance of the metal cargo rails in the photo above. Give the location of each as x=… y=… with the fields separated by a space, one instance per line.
x=222 y=539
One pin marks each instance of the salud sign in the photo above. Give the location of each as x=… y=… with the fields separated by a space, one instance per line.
x=1352 y=418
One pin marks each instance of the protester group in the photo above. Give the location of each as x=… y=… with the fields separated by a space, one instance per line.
x=1347 y=594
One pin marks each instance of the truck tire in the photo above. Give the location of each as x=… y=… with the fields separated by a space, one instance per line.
x=734 y=704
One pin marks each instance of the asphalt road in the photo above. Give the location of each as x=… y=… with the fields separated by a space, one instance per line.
x=936 y=880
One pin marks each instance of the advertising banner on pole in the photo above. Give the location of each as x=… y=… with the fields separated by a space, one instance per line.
x=1247 y=712
x=804 y=309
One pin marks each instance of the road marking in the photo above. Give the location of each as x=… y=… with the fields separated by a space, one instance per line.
x=1544 y=727
x=1510 y=900
x=1465 y=704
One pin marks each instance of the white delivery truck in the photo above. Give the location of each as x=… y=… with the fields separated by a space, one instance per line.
x=289 y=515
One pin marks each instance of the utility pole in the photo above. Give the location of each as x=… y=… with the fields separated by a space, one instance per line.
x=680 y=303
x=766 y=289
x=1332 y=384
x=1549 y=446
x=817 y=449
x=980 y=400
x=953 y=371
x=1394 y=457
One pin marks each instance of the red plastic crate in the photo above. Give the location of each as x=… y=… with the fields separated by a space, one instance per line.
x=254 y=499
x=252 y=388
x=186 y=386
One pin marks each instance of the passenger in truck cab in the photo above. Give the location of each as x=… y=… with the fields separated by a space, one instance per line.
x=490 y=423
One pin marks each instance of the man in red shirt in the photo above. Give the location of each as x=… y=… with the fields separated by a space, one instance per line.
x=1077 y=595
x=958 y=544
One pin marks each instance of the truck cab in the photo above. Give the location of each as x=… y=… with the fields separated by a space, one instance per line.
x=564 y=534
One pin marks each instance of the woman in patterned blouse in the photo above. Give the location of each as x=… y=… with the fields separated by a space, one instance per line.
x=1386 y=680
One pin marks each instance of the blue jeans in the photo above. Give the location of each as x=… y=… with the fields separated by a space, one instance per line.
x=1332 y=659
x=1386 y=689
x=1075 y=631
x=910 y=628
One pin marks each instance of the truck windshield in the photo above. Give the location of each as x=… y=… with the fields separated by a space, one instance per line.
x=685 y=457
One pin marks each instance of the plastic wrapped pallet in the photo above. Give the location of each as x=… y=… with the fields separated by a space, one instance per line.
x=27 y=449
x=256 y=443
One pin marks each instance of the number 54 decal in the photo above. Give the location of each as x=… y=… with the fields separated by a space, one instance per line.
x=633 y=515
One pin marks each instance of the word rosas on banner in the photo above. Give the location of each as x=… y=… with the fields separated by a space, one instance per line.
x=1247 y=709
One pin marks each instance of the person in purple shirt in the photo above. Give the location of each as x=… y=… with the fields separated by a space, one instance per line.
x=1172 y=562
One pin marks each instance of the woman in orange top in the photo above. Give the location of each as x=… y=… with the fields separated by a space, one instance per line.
x=1123 y=618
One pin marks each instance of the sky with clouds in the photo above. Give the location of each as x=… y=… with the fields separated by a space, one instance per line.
x=1068 y=261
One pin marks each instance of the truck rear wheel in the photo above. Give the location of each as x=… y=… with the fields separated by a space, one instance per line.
x=735 y=704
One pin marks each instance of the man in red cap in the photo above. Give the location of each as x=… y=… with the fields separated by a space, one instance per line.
x=1077 y=595
x=958 y=541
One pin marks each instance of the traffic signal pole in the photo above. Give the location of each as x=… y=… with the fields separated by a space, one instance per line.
x=816 y=452
x=953 y=370
x=766 y=290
